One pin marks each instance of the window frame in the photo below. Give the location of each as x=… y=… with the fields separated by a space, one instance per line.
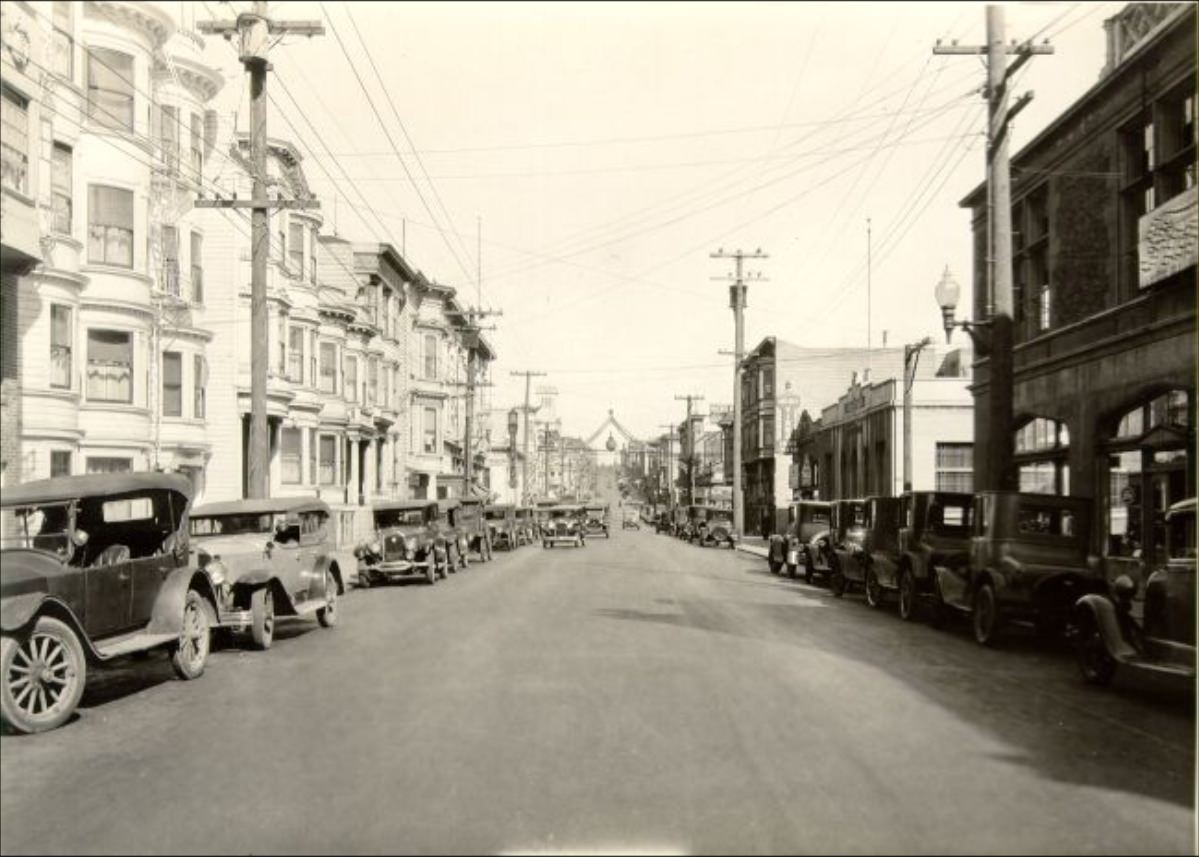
x=14 y=100
x=90 y=396
x=110 y=119
x=172 y=388
x=199 y=387
x=93 y=198
x=288 y=458
x=196 y=239
x=57 y=348
x=62 y=198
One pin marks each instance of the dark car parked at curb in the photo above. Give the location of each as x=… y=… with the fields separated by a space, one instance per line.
x=806 y=540
x=847 y=540
x=935 y=529
x=94 y=567
x=563 y=525
x=596 y=519
x=1029 y=560
x=503 y=529
x=269 y=558
x=466 y=517
x=716 y=528
x=880 y=548
x=457 y=547
x=1111 y=636
x=662 y=523
x=407 y=544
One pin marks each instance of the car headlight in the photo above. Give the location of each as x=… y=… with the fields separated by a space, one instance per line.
x=217 y=571
x=375 y=547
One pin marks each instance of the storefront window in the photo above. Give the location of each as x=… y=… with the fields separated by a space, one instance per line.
x=1042 y=457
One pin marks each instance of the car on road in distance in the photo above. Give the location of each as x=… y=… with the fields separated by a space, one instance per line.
x=526 y=527
x=457 y=546
x=596 y=519
x=270 y=558
x=631 y=520
x=1161 y=639
x=502 y=526
x=407 y=544
x=847 y=542
x=563 y=525
x=678 y=522
x=93 y=568
x=934 y=532
x=806 y=540
x=1029 y=559
x=716 y=528
x=695 y=516
x=466 y=516
x=663 y=522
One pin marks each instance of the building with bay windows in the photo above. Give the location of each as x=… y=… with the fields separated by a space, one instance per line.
x=1104 y=214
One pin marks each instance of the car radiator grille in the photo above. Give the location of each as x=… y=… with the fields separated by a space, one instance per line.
x=393 y=547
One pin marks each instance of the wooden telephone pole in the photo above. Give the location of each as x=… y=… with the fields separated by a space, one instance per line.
x=999 y=471
x=255 y=30
x=690 y=451
x=737 y=295
x=524 y=465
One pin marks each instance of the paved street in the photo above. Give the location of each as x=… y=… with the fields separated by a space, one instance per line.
x=639 y=694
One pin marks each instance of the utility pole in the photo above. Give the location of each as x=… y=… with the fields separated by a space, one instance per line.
x=869 y=274
x=911 y=354
x=471 y=337
x=669 y=463
x=529 y=376
x=737 y=295
x=255 y=30
x=996 y=423
x=545 y=477
x=690 y=446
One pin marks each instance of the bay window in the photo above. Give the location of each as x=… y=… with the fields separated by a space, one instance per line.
x=289 y=455
x=109 y=366
x=172 y=384
x=110 y=88
x=110 y=226
x=61 y=189
x=14 y=140
x=61 y=336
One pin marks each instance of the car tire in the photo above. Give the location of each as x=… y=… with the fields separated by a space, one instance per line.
x=29 y=710
x=985 y=615
x=262 y=617
x=327 y=615
x=463 y=559
x=189 y=654
x=792 y=571
x=809 y=573
x=431 y=572
x=364 y=579
x=442 y=568
x=874 y=591
x=836 y=581
x=774 y=565
x=1095 y=663
x=907 y=595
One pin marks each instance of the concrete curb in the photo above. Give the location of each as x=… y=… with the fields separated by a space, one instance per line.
x=756 y=550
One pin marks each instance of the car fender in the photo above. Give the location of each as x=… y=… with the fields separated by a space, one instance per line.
x=258 y=578
x=1107 y=621
x=21 y=611
x=167 y=615
x=329 y=564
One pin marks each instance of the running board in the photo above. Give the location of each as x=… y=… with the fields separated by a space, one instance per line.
x=130 y=643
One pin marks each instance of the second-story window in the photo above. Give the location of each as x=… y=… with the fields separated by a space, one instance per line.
x=372 y=382
x=289 y=455
x=109 y=366
x=351 y=378
x=61 y=339
x=110 y=88
x=61 y=188
x=328 y=381
x=62 y=40
x=430 y=430
x=172 y=384
x=197 y=260
x=295 y=249
x=200 y=383
x=295 y=355
x=170 y=260
x=110 y=226
x=14 y=140
x=430 y=356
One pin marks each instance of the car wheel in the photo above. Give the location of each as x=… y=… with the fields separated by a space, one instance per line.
x=190 y=653
x=809 y=574
x=774 y=564
x=262 y=617
x=792 y=571
x=442 y=567
x=327 y=615
x=874 y=592
x=463 y=559
x=1094 y=662
x=44 y=673
x=837 y=581
x=986 y=615
x=907 y=595
x=431 y=572
x=364 y=579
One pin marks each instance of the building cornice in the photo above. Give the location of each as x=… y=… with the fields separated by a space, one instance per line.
x=143 y=17
x=202 y=81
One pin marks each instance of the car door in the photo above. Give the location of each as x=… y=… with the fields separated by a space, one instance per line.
x=108 y=583
x=151 y=570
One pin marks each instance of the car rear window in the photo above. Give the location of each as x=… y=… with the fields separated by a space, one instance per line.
x=1040 y=521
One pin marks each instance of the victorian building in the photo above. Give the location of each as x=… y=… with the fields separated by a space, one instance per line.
x=1105 y=247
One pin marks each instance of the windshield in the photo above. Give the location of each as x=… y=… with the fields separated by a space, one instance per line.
x=562 y=513
x=233 y=525
x=497 y=515
x=722 y=516
x=950 y=519
x=1045 y=522
x=814 y=516
x=46 y=527
x=399 y=518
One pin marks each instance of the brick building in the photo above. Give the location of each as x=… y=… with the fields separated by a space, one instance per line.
x=1104 y=222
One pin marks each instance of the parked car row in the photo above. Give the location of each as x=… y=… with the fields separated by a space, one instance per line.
x=999 y=556
x=94 y=568
x=431 y=539
x=699 y=524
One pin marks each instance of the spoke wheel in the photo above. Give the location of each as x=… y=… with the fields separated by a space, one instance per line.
x=986 y=615
x=907 y=595
x=262 y=616
x=1094 y=662
x=44 y=674
x=327 y=615
x=190 y=654
x=874 y=592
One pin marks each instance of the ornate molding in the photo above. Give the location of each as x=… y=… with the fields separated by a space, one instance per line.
x=200 y=80
x=143 y=17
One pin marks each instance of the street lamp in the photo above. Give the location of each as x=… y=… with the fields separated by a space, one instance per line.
x=947 y=293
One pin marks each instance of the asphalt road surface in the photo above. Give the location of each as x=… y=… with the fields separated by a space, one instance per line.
x=637 y=695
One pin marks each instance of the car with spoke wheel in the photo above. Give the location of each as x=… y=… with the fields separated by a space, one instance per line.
x=716 y=528
x=466 y=516
x=270 y=559
x=563 y=525
x=407 y=544
x=934 y=536
x=847 y=560
x=805 y=541
x=596 y=519
x=502 y=526
x=94 y=568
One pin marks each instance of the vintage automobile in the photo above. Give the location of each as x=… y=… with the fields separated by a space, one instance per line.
x=92 y=568
x=526 y=526
x=806 y=540
x=716 y=528
x=503 y=529
x=695 y=515
x=456 y=538
x=678 y=524
x=663 y=522
x=934 y=533
x=1110 y=635
x=407 y=544
x=466 y=516
x=631 y=520
x=270 y=558
x=563 y=525
x=1029 y=560
x=595 y=519
x=847 y=537
x=880 y=548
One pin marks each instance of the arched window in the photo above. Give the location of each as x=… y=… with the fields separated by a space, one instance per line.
x=1041 y=456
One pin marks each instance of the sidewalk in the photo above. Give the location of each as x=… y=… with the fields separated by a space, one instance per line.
x=753 y=544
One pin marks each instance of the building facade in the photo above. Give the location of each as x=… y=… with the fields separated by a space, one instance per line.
x=1105 y=247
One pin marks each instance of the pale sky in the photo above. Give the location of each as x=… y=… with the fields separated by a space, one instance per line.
x=610 y=148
